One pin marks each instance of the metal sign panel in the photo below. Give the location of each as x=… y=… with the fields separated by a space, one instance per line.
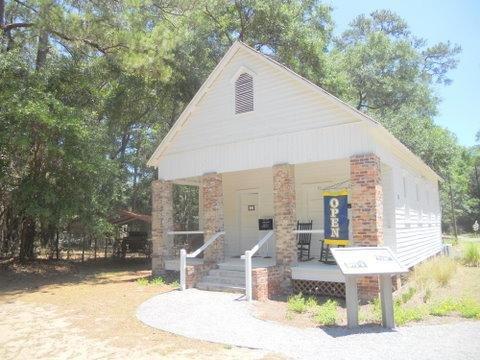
x=265 y=224
x=367 y=261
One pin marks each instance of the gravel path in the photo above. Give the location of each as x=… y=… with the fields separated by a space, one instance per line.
x=226 y=318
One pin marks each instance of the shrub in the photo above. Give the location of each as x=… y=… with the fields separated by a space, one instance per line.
x=326 y=313
x=471 y=256
x=296 y=303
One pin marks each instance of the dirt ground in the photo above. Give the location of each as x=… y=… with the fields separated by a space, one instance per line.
x=59 y=310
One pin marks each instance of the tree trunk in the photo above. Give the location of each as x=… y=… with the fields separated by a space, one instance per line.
x=95 y=248
x=28 y=238
x=83 y=249
x=57 y=239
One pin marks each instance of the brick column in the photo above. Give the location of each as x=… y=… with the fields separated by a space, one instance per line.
x=212 y=191
x=162 y=221
x=284 y=205
x=367 y=212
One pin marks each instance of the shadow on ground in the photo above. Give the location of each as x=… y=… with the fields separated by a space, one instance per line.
x=17 y=278
x=341 y=331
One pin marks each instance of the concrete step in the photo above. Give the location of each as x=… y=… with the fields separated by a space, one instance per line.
x=220 y=287
x=238 y=281
x=232 y=267
x=227 y=273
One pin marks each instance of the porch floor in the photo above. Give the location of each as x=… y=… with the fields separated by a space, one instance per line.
x=306 y=270
x=317 y=271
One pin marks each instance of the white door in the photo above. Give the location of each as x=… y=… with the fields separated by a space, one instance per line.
x=248 y=220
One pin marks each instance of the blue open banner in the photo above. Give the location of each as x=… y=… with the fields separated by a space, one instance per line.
x=336 y=215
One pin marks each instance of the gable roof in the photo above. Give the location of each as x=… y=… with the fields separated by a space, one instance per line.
x=185 y=115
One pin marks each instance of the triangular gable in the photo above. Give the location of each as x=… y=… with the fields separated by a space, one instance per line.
x=204 y=89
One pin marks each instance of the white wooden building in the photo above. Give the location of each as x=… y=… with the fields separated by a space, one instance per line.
x=253 y=114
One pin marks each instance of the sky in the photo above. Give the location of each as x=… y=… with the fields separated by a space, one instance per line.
x=435 y=21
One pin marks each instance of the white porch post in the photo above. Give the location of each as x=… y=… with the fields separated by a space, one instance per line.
x=183 y=269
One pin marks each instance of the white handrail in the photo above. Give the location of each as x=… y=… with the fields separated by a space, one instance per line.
x=184 y=256
x=185 y=232
x=206 y=245
x=248 y=264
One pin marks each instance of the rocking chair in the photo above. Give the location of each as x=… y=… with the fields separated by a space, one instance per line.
x=303 y=241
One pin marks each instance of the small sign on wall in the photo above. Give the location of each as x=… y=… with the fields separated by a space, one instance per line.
x=265 y=224
x=336 y=214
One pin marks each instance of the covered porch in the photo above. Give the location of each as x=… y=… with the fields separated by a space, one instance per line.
x=232 y=205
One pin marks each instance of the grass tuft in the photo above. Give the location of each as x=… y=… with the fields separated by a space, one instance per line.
x=296 y=303
x=440 y=270
x=471 y=256
x=151 y=281
x=157 y=281
x=142 y=281
x=406 y=296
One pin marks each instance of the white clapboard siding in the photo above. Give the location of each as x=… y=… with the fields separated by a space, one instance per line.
x=418 y=224
x=289 y=123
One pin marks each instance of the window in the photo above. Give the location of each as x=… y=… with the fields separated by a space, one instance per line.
x=244 y=94
x=404 y=187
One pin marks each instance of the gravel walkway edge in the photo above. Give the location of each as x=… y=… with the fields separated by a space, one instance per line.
x=227 y=318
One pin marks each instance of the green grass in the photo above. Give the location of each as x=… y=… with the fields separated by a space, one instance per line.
x=405 y=314
x=175 y=284
x=402 y=313
x=142 y=281
x=471 y=255
x=469 y=308
x=466 y=307
x=326 y=313
x=444 y=307
x=323 y=314
x=406 y=296
x=158 y=281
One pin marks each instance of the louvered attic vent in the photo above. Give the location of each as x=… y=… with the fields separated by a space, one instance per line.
x=244 y=93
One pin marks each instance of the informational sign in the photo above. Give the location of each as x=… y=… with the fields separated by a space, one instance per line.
x=367 y=261
x=335 y=204
x=360 y=261
x=265 y=224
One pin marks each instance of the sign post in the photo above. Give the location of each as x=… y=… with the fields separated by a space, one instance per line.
x=355 y=262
